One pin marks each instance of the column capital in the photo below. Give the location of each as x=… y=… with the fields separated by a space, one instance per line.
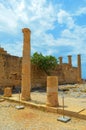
x=26 y=30
x=79 y=55
x=69 y=60
x=69 y=55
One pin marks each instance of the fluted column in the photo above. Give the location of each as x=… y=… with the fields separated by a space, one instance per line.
x=26 y=67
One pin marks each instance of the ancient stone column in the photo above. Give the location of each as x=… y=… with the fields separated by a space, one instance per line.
x=69 y=60
x=60 y=60
x=52 y=91
x=26 y=67
x=79 y=68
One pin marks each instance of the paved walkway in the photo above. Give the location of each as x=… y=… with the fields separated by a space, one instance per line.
x=75 y=107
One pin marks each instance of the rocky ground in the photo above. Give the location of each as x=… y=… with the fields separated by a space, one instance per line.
x=76 y=90
x=32 y=119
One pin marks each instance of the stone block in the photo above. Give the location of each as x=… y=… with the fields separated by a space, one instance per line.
x=52 y=91
x=7 y=92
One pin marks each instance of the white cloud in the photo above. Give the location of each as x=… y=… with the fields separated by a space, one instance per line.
x=75 y=39
x=40 y=16
x=80 y=11
x=13 y=17
x=31 y=14
x=64 y=17
x=8 y=20
x=77 y=33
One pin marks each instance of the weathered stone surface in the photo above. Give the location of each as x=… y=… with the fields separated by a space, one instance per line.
x=69 y=60
x=10 y=71
x=79 y=69
x=26 y=67
x=52 y=91
x=7 y=92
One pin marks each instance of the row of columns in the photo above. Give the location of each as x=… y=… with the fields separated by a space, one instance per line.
x=70 y=60
x=70 y=63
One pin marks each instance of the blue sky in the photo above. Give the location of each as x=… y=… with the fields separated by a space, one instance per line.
x=58 y=27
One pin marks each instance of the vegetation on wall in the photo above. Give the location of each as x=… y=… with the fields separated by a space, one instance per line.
x=46 y=63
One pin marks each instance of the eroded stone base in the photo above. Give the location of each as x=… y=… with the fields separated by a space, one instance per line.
x=7 y=92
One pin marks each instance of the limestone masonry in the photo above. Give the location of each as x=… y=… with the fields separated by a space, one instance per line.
x=11 y=69
x=26 y=69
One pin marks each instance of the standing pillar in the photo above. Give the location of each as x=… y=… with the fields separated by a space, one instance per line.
x=52 y=91
x=79 y=68
x=60 y=60
x=26 y=67
x=69 y=60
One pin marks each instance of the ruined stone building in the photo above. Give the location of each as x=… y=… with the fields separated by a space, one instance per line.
x=10 y=71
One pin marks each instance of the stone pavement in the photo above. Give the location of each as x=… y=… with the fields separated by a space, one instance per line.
x=75 y=107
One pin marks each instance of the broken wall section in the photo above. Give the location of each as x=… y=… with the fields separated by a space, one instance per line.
x=10 y=70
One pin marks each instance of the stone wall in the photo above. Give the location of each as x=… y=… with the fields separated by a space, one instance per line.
x=66 y=75
x=10 y=72
x=38 y=77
